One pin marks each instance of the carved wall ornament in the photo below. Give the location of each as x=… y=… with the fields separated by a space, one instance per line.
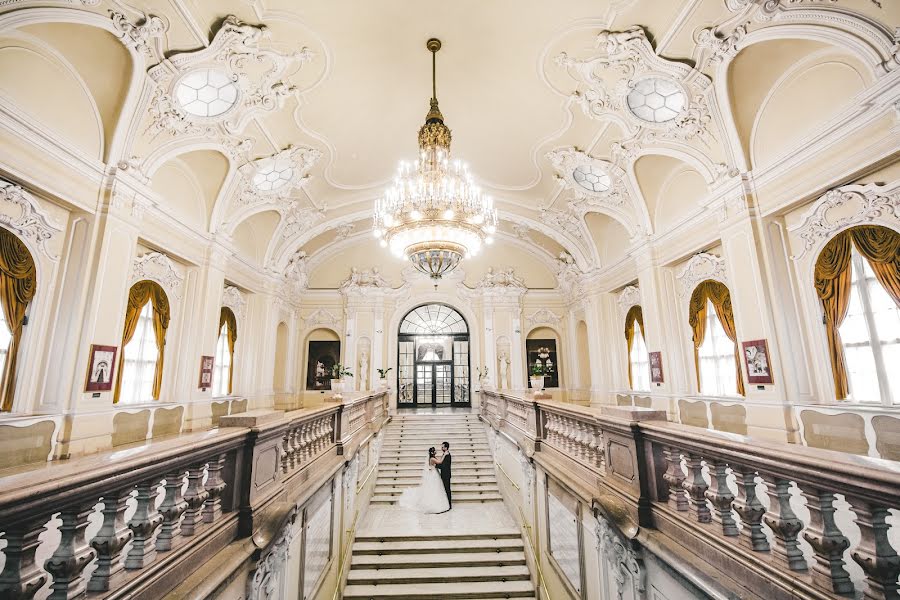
x=565 y=222
x=273 y=178
x=502 y=279
x=265 y=584
x=297 y=218
x=699 y=268
x=569 y=278
x=234 y=299
x=343 y=231
x=297 y=271
x=367 y=278
x=628 y=297
x=521 y=231
x=543 y=316
x=628 y=566
x=155 y=266
x=321 y=316
x=235 y=77
x=31 y=222
x=846 y=206
x=144 y=36
x=628 y=81
x=771 y=7
x=588 y=177
x=721 y=44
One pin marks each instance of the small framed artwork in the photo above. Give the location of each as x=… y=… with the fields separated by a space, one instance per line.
x=101 y=369
x=756 y=357
x=206 y=371
x=656 y=369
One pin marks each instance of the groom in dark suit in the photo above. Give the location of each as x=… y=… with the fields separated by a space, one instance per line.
x=445 y=466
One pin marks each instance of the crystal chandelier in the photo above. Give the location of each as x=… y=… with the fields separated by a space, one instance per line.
x=433 y=213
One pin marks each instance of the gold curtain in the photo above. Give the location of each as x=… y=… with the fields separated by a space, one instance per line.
x=720 y=298
x=833 y=280
x=138 y=296
x=635 y=315
x=18 y=283
x=226 y=318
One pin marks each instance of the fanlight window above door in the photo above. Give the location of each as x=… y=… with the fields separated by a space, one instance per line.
x=433 y=319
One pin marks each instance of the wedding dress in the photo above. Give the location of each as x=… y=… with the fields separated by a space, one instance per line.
x=427 y=497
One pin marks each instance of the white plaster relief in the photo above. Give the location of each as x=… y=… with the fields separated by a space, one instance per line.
x=236 y=51
x=155 y=266
x=321 y=316
x=31 y=222
x=265 y=584
x=234 y=299
x=543 y=316
x=628 y=297
x=366 y=279
x=504 y=278
x=291 y=165
x=143 y=36
x=846 y=206
x=297 y=219
x=700 y=267
x=628 y=566
x=297 y=271
x=568 y=159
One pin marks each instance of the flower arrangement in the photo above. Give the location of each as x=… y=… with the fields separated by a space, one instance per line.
x=382 y=373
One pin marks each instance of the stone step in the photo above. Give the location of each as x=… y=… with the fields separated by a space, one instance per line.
x=437 y=544
x=496 y=534
x=461 y=498
x=391 y=489
x=430 y=591
x=455 y=574
x=469 y=559
x=414 y=480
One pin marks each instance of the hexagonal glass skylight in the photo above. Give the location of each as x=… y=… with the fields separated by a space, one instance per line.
x=206 y=93
x=591 y=178
x=656 y=100
x=273 y=174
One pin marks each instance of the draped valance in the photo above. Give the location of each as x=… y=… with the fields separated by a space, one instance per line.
x=18 y=283
x=718 y=295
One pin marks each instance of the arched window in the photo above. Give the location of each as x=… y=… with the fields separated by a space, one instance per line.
x=716 y=356
x=433 y=357
x=144 y=342
x=18 y=282
x=224 y=366
x=857 y=278
x=638 y=359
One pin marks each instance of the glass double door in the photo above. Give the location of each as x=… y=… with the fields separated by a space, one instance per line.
x=434 y=383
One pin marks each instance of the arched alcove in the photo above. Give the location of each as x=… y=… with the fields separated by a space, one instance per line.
x=323 y=351
x=543 y=344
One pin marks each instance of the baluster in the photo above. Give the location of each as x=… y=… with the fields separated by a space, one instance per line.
x=827 y=541
x=296 y=448
x=171 y=509
x=285 y=451
x=22 y=577
x=143 y=524
x=674 y=477
x=215 y=485
x=72 y=555
x=874 y=553
x=696 y=488
x=751 y=510
x=304 y=444
x=720 y=497
x=784 y=523
x=110 y=540
x=194 y=497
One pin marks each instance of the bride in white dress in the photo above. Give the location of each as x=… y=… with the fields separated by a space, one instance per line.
x=429 y=496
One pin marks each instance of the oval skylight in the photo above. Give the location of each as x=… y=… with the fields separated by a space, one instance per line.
x=656 y=100
x=591 y=178
x=206 y=93
x=273 y=174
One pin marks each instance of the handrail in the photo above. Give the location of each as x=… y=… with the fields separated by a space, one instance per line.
x=366 y=478
x=342 y=562
x=537 y=559
x=514 y=484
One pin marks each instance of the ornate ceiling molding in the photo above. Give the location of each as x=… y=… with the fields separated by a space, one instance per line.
x=297 y=271
x=271 y=179
x=845 y=207
x=143 y=36
x=364 y=281
x=31 y=222
x=297 y=219
x=700 y=267
x=235 y=52
x=158 y=267
x=628 y=297
x=503 y=282
x=593 y=179
x=625 y=63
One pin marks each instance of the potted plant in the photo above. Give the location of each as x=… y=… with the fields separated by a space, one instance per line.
x=537 y=376
x=382 y=377
x=338 y=372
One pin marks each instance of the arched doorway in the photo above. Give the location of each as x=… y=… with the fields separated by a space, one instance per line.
x=433 y=358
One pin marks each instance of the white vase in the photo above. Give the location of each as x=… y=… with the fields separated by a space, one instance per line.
x=337 y=386
x=537 y=383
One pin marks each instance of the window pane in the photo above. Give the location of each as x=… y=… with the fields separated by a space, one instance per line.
x=860 y=364
x=717 y=367
x=140 y=360
x=640 y=362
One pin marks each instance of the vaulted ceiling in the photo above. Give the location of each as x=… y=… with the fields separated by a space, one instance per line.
x=550 y=103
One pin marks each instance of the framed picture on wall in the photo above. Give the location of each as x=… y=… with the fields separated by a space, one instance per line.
x=656 y=368
x=206 y=371
x=101 y=369
x=756 y=358
x=322 y=356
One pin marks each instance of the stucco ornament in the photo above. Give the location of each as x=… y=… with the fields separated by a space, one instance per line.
x=21 y=213
x=297 y=218
x=503 y=278
x=589 y=178
x=628 y=566
x=844 y=207
x=265 y=584
x=243 y=78
x=700 y=267
x=543 y=316
x=321 y=316
x=155 y=266
x=273 y=178
x=364 y=279
x=565 y=222
x=628 y=82
x=297 y=269
x=234 y=299
x=143 y=36
x=628 y=297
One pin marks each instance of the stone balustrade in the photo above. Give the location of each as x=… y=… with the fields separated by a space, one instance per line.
x=782 y=520
x=136 y=520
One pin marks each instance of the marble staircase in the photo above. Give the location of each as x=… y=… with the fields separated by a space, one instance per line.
x=406 y=443
x=473 y=551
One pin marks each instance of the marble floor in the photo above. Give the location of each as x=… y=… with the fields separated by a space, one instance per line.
x=460 y=520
